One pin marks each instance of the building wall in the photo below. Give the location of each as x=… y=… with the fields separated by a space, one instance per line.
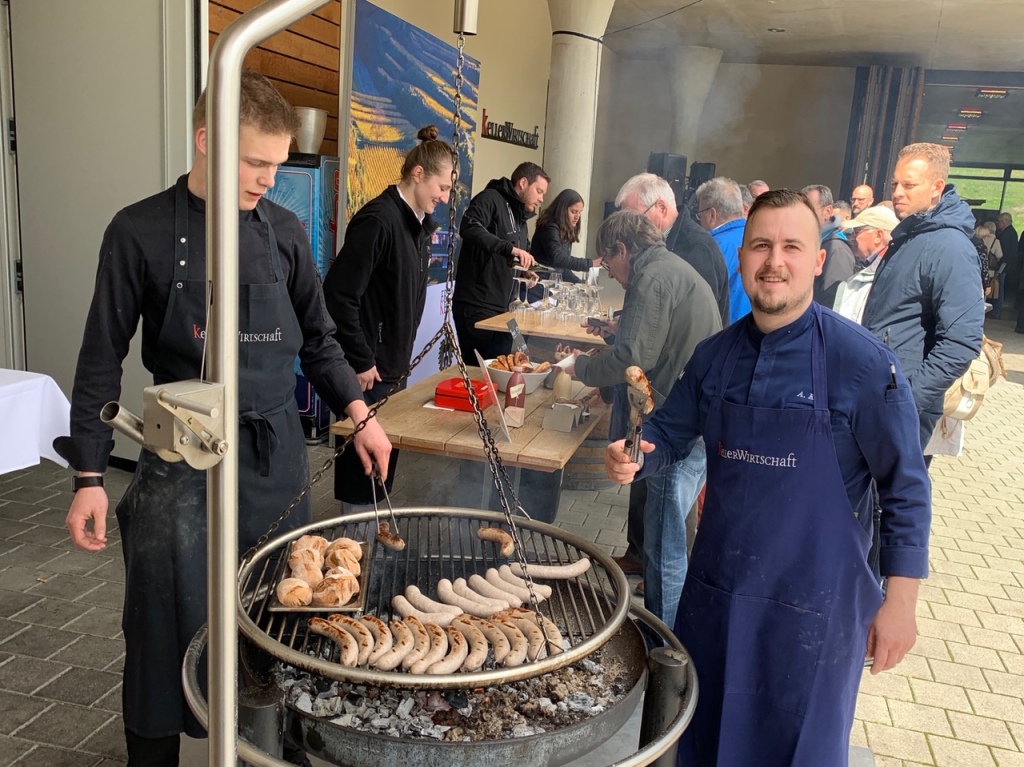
x=513 y=46
x=785 y=124
x=302 y=61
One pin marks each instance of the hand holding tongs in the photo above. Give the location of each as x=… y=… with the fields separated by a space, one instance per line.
x=641 y=403
x=389 y=539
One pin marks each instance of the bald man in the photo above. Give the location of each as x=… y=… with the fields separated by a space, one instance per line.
x=863 y=197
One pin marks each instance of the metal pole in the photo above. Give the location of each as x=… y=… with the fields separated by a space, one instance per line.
x=466 y=14
x=664 y=697
x=222 y=105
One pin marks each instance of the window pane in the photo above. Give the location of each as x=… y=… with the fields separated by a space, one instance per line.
x=1014 y=202
x=979 y=194
x=1018 y=174
x=957 y=171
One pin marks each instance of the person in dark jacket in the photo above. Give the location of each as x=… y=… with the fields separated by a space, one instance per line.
x=927 y=303
x=1009 y=243
x=840 y=263
x=558 y=227
x=152 y=267
x=493 y=232
x=377 y=286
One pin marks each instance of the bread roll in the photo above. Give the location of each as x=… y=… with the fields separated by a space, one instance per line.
x=336 y=589
x=347 y=544
x=343 y=558
x=308 y=573
x=292 y=592
x=310 y=557
x=311 y=542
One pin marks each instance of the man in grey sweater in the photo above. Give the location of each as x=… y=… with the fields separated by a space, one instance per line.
x=668 y=309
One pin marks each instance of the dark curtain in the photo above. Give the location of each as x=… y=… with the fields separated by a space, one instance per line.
x=886 y=109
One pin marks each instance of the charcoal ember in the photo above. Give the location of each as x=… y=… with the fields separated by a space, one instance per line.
x=525 y=731
x=304 y=703
x=590 y=667
x=580 y=701
x=405 y=707
x=326 y=707
x=456 y=698
x=559 y=692
x=435 y=701
x=381 y=722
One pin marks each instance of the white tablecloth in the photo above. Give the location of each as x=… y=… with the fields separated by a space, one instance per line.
x=33 y=412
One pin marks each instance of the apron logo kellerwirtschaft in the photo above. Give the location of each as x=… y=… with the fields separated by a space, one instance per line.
x=783 y=462
x=244 y=338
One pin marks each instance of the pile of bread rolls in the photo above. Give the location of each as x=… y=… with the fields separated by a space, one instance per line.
x=322 y=573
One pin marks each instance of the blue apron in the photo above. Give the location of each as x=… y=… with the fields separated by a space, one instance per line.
x=162 y=515
x=779 y=596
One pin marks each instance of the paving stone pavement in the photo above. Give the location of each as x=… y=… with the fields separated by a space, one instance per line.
x=956 y=701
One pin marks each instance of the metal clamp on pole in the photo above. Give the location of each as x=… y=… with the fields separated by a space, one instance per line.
x=466 y=14
x=171 y=426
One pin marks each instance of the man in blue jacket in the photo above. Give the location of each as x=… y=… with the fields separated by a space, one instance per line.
x=720 y=212
x=927 y=303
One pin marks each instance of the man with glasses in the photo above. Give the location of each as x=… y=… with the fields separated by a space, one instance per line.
x=720 y=213
x=839 y=263
x=870 y=234
x=862 y=198
x=667 y=310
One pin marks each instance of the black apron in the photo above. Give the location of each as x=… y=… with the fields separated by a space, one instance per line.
x=162 y=515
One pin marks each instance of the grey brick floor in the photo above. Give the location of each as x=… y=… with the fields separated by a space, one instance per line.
x=958 y=700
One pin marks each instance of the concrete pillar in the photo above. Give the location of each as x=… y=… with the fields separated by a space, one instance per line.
x=691 y=71
x=576 y=26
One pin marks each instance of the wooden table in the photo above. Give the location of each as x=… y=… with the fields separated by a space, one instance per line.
x=531 y=326
x=534 y=458
x=411 y=426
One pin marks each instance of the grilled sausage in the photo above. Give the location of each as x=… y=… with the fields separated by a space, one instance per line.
x=458 y=650
x=346 y=644
x=476 y=640
x=492 y=591
x=446 y=591
x=383 y=640
x=406 y=610
x=462 y=588
x=506 y=546
x=518 y=644
x=388 y=539
x=420 y=641
x=542 y=591
x=552 y=636
x=421 y=601
x=531 y=630
x=495 y=637
x=554 y=572
x=364 y=639
x=438 y=649
x=403 y=639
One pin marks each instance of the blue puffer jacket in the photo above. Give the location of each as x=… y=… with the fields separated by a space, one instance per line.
x=927 y=303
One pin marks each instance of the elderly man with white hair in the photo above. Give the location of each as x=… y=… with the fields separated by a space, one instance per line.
x=870 y=234
x=720 y=213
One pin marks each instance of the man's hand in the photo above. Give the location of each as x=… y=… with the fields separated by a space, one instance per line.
x=525 y=259
x=894 y=628
x=570 y=367
x=617 y=464
x=368 y=378
x=371 y=442
x=89 y=504
x=610 y=328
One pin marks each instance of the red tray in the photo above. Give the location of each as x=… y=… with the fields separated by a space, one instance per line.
x=452 y=393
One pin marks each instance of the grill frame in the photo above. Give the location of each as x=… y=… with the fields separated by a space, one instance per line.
x=602 y=590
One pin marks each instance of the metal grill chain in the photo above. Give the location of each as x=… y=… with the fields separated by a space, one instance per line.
x=448 y=350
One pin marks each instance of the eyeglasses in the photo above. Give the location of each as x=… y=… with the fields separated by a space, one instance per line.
x=647 y=210
x=702 y=211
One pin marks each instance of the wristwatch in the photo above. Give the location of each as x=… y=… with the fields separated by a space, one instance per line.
x=77 y=483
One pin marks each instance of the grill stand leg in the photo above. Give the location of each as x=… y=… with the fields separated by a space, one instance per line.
x=261 y=718
x=663 y=699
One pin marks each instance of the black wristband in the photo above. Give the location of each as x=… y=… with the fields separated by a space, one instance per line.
x=77 y=483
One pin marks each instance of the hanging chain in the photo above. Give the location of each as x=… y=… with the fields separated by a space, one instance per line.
x=448 y=350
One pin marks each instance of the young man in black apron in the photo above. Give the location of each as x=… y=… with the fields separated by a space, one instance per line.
x=153 y=266
x=800 y=409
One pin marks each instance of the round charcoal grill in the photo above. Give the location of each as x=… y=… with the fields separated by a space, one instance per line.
x=440 y=543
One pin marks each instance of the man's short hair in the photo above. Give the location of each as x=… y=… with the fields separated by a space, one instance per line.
x=825 y=197
x=989 y=226
x=630 y=228
x=757 y=182
x=722 y=194
x=648 y=188
x=747 y=196
x=1006 y=216
x=261 y=107
x=781 y=198
x=844 y=206
x=531 y=171
x=936 y=155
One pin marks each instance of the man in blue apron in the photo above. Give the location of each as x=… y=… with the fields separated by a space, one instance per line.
x=153 y=267
x=799 y=409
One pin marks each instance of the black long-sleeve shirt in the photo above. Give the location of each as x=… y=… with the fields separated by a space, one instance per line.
x=133 y=282
x=547 y=247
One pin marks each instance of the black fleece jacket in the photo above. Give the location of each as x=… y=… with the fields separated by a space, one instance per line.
x=376 y=288
x=494 y=223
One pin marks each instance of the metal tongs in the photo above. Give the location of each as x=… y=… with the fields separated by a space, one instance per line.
x=388 y=536
x=639 y=405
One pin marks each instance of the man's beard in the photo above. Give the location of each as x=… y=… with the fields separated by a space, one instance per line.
x=780 y=305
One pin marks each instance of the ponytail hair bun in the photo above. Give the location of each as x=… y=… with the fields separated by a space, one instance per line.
x=427 y=133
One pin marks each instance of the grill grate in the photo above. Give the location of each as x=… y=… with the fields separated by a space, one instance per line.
x=440 y=543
